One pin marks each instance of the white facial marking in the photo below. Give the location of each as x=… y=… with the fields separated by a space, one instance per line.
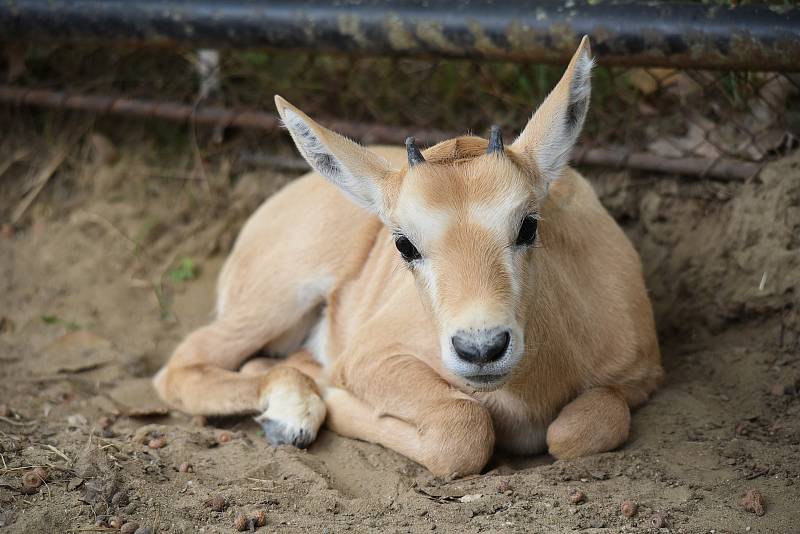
x=423 y=225
x=503 y=219
x=495 y=217
x=429 y=279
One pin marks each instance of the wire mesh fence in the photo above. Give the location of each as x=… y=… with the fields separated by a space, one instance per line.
x=722 y=124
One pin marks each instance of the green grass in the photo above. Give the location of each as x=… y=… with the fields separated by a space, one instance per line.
x=185 y=270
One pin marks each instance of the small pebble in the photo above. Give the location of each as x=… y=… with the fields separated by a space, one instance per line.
x=224 y=437
x=105 y=422
x=260 y=518
x=186 y=467
x=129 y=528
x=157 y=443
x=119 y=498
x=216 y=503
x=199 y=420
x=787 y=386
x=115 y=522
x=504 y=486
x=240 y=523
x=576 y=496
x=629 y=508
x=753 y=502
x=34 y=478
x=6 y=325
x=658 y=521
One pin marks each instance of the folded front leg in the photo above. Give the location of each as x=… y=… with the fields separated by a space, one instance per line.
x=598 y=420
x=401 y=403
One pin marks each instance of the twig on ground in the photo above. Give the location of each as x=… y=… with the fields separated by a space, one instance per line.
x=58 y=452
x=18 y=155
x=20 y=468
x=17 y=423
x=138 y=252
x=159 y=172
x=42 y=179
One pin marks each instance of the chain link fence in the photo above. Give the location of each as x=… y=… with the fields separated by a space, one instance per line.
x=718 y=124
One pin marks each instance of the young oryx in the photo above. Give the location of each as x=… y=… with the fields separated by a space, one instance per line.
x=467 y=296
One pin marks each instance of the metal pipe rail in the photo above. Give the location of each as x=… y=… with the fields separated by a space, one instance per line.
x=671 y=34
x=718 y=168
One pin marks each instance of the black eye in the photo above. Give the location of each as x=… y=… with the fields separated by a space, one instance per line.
x=527 y=231
x=406 y=248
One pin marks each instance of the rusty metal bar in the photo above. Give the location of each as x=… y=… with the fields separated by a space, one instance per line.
x=720 y=169
x=208 y=115
x=723 y=169
x=675 y=34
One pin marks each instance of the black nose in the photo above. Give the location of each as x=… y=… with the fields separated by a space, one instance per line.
x=481 y=347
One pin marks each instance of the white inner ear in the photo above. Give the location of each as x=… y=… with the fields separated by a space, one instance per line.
x=554 y=149
x=362 y=190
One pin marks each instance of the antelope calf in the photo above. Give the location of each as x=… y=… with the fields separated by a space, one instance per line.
x=440 y=302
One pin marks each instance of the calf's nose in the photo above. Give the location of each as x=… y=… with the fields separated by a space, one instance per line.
x=481 y=347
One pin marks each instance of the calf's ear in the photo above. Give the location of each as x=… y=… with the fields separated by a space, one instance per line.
x=550 y=135
x=355 y=170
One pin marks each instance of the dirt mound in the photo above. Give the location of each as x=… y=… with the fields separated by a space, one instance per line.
x=717 y=255
x=115 y=261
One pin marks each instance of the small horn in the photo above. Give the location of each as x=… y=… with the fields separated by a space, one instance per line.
x=414 y=155
x=495 y=140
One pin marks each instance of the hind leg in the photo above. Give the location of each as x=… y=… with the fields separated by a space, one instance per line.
x=295 y=414
x=200 y=379
x=598 y=420
x=301 y=360
x=282 y=268
x=202 y=375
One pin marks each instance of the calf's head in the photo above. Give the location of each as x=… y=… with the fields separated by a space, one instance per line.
x=465 y=218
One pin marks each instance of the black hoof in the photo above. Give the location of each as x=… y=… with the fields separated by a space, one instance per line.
x=278 y=433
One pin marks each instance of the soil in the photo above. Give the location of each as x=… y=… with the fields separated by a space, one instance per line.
x=115 y=260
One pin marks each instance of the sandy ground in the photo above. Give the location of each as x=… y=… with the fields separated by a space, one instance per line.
x=115 y=260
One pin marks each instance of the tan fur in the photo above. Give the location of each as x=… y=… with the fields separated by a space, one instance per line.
x=309 y=256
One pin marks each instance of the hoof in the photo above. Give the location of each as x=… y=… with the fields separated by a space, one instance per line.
x=278 y=433
x=292 y=417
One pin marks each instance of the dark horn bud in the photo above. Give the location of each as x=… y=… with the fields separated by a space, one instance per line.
x=495 y=140
x=414 y=155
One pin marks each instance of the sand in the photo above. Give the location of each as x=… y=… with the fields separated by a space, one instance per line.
x=92 y=303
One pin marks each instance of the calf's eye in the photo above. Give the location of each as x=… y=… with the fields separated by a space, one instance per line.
x=527 y=231
x=406 y=248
